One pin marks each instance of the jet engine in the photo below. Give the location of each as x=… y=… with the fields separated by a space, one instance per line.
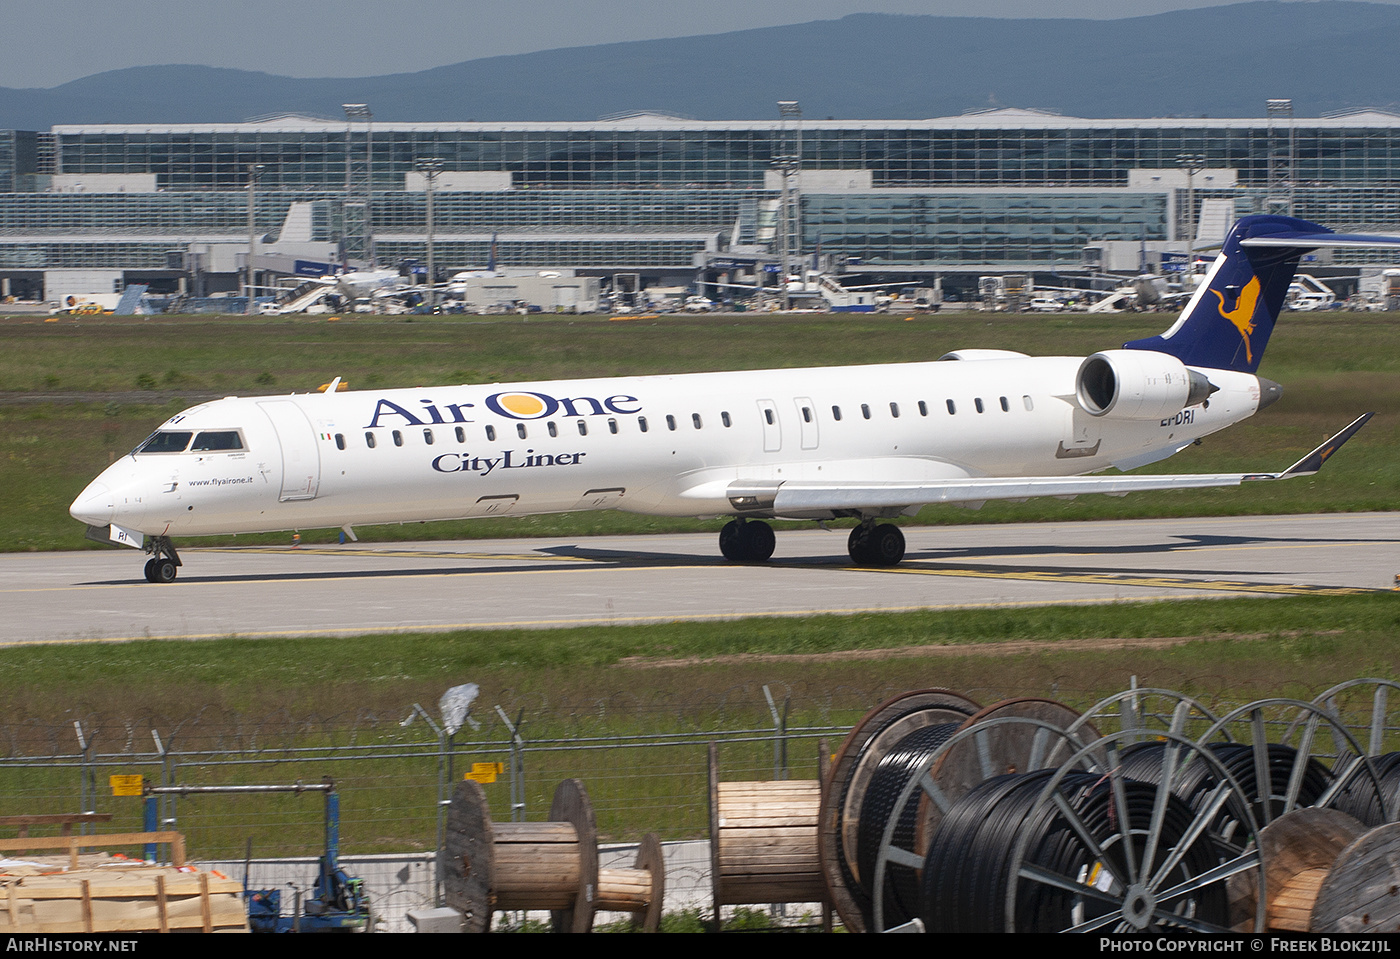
x=1138 y=385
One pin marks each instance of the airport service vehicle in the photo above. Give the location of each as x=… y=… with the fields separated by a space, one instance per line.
x=866 y=442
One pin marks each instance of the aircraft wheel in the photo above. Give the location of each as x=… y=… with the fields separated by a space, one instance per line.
x=858 y=544
x=886 y=545
x=162 y=571
x=150 y=571
x=759 y=540
x=732 y=541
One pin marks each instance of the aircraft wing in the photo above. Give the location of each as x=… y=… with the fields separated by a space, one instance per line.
x=787 y=498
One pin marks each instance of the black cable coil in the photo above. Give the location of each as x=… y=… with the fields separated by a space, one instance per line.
x=907 y=759
x=967 y=873
x=859 y=889
x=1197 y=780
x=1358 y=797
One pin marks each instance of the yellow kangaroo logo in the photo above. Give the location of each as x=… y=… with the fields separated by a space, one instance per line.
x=1242 y=316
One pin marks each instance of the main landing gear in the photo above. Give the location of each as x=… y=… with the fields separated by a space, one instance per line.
x=870 y=543
x=876 y=544
x=747 y=541
x=164 y=562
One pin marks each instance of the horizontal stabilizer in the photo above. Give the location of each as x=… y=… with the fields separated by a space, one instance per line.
x=1228 y=321
x=797 y=498
x=1315 y=240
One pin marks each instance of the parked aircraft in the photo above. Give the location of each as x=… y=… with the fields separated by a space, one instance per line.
x=866 y=442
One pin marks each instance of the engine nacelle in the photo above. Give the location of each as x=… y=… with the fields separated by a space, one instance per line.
x=1138 y=385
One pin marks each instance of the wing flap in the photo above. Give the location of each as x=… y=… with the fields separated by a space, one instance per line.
x=788 y=498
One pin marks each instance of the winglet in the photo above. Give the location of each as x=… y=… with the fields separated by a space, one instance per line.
x=1313 y=461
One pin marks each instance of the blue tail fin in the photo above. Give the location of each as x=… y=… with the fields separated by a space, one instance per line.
x=1228 y=321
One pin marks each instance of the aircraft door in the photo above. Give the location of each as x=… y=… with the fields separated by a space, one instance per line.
x=807 y=421
x=301 y=454
x=772 y=428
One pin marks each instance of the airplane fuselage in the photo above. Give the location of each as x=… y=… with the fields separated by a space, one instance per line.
x=666 y=445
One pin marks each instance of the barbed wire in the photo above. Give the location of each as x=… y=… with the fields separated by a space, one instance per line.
x=641 y=754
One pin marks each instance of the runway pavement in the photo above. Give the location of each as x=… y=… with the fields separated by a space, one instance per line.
x=531 y=583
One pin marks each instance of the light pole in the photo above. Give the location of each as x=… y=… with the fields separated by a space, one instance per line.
x=1192 y=163
x=359 y=184
x=255 y=170
x=789 y=164
x=430 y=167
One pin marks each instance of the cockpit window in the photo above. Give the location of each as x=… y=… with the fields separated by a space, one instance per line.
x=165 y=441
x=217 y=440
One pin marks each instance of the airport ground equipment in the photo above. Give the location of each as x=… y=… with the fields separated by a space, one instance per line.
x=338 y=902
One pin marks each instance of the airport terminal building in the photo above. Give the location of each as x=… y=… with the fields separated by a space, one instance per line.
x=669 y=199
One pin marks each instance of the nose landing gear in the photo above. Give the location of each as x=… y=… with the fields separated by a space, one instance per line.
x=164 y=562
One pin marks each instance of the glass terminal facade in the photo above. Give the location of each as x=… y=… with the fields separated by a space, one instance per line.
x=1006 y=189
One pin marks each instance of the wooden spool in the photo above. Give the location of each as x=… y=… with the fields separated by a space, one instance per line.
x=522 y=865
x=1299 y=850
x=1361 y=893
x=763 y=841
x=849 y=777
x=639 y=890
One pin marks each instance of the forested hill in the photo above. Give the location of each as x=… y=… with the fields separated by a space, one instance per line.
x=1221 y=61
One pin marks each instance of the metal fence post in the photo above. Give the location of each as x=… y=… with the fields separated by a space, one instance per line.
x=517 y=765
x=780 y=764
x=87 y=777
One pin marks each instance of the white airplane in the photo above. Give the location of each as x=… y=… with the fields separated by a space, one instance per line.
x=866 y=442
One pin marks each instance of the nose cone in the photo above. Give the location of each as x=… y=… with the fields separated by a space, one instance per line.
x=94 y=505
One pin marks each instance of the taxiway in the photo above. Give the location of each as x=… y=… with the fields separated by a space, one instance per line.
x=100 y=595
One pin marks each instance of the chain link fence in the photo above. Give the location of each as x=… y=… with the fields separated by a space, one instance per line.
x=642 y=759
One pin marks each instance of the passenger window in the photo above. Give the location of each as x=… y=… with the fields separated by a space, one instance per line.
x=865 y=410
x=695 y=419
x=340 y=441
x=836 y=413
x=520 y=430
x=894 y=410
x=612 y=425
x=724 y=418
x=952 y=408
x=1026 y=402
x=978 y=403
x=768 y=415
x=642 y=423
x=806 y=414
x=553 y=430
x=221 y=440
x=369 y=440
x=1005 y=405
x=461 y=435
x=582 y=428
x=490 y=432
x=670 y=422
x=923 y=408
x=428 y=437
x=398 y=438
x=159 y=442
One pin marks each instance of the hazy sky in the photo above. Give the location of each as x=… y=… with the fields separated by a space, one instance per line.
x=47 y=42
